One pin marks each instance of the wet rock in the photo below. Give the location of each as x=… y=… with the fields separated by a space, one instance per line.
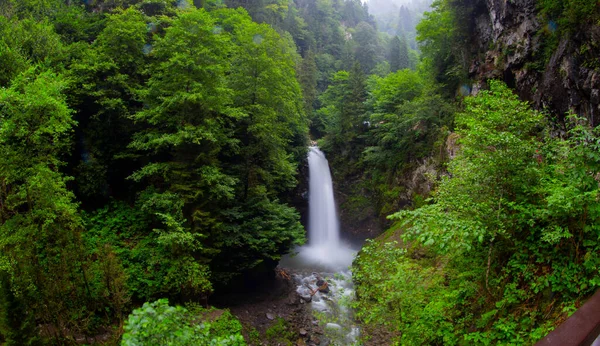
x=306 y=298
x=322 y=285
x=506 y=33
x=595 y=96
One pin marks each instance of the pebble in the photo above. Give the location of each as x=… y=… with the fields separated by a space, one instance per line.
x=270 y=316
x=303 y=332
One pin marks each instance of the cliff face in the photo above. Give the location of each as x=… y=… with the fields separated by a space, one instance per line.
x=509 y=39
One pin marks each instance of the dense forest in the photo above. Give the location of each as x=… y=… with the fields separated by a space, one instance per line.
x=152 y=154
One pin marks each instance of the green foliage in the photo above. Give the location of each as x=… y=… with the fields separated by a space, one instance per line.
x=570 y=14
x=279 y=332
x=26 y=42
x=158 y=323
x=398 y=54
x=490 y=177
x=343 y=112
x=368 y=50
x=257 y=231
x=405 y=298
x=226 y=141
x=152 y=260
x=506 y=244
x=392 y=91
x=105 y=79
x=42 y=262
x=39 y=225
x=441 y=34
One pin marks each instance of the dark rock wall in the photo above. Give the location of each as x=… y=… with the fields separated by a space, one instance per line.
x=506 y=43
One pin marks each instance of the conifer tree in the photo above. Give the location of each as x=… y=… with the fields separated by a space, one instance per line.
x=394 y=54
x=403 y=57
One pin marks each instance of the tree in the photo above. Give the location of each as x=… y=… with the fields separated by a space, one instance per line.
x=403 y=56
x=273 y=124
x=440 y=36
x=394 y=54
x=405 y=21
x=368 y=50
x=272 y=137
x=187 y=119
x=20 y=49
x=105 y=81
x=40 y=261
x=398 y=54
x=344 y=112
x=218 y=140
x=307 y=75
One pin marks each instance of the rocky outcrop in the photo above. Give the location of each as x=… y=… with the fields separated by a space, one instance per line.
x=508 y=40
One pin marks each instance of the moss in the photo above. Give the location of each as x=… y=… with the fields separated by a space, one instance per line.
x=280 y=333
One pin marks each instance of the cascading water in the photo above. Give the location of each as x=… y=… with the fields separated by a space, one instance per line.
x=325 y=258
x=323 y=226
x=324 y=250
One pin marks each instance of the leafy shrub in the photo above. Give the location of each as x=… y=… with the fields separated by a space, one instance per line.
x=158 y=323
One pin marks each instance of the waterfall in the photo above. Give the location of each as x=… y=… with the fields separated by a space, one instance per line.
x=323 y=225
x=324 y=251
x=325 y=257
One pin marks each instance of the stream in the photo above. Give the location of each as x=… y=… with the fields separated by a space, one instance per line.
x=321 y=268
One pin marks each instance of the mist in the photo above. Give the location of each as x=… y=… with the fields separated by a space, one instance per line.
x=388 y=7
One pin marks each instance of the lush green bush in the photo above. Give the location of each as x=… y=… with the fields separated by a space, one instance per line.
x=158 y=323
x=508 y=243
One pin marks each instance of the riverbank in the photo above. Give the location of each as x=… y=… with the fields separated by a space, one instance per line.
x=272 y=313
